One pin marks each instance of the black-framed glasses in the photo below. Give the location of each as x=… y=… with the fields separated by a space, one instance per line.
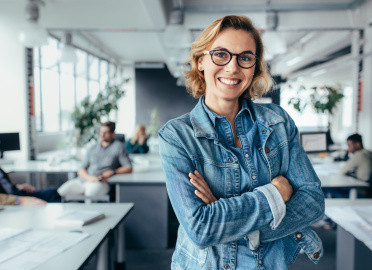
x=223 y=57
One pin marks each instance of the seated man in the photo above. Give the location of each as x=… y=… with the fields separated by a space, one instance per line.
x=105 y=159
x=360 y=163
x=26 y=190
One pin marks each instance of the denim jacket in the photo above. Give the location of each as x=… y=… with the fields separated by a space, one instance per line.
x=208 y=234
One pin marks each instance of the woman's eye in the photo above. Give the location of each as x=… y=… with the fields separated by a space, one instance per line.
x=221 y=54
x=247 y=57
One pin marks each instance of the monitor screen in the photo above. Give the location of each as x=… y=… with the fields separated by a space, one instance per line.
x=314 y=142
x=9 y=142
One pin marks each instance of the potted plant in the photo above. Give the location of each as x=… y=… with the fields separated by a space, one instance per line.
x=88 y=115
x=323 y=99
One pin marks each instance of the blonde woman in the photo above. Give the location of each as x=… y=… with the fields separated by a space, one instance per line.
x=238 y=179
x=138 y=143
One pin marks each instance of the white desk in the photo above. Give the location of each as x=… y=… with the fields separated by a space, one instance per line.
x=353 y=249
x=42 y=168
x=147 y=227
x=328 y=173
x=42 y=217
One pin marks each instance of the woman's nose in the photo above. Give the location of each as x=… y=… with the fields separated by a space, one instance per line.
x=232 y=66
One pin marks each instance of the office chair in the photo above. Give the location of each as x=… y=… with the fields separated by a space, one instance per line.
x=120 y=137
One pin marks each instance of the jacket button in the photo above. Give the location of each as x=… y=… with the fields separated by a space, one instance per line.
x=246 y=155
x=298 y=235
x=267 y=150
x=253 y=177
x=226 y=266
x=259 y=261
x=230 y=160
x=263 y=131
x=316 y=255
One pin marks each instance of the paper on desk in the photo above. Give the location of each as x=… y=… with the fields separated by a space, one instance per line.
x=9 y=232
x=352 y=221
x=32 y=248
x=326 y=169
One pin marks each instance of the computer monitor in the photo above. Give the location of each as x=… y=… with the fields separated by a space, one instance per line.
x=9 y=142
x=314 y=142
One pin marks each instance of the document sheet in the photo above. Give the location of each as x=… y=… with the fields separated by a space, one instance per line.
x=26 y=249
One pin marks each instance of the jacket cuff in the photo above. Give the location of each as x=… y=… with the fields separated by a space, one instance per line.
x=276 y=203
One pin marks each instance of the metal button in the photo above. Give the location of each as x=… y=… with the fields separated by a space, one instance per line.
x=253 y=177
x=267 y=150
x=263 y=131
x=230 y=160
x=246 y=155
x=316 y=255
x=226 y=266
x=298 y=235
x=259 y=261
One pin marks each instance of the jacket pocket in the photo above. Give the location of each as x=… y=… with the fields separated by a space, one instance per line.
x=187 y=255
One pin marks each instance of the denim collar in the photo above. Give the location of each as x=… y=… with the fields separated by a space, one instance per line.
x=203 y=124
x=213 y=116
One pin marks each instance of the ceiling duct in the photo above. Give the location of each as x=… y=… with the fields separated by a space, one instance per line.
x=272 y=20
x=33 y=35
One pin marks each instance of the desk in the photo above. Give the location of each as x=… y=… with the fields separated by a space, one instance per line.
x=147 y=227
x=42 y=217
x=328 y=173
x=42 y=168
x=353 y=252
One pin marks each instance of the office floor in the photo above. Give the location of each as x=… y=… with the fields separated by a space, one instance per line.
x=153 y=259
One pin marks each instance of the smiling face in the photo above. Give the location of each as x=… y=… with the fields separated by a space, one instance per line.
x=227 y=83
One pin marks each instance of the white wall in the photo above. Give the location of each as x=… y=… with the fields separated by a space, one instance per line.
x=365 y=117
x=12 y=85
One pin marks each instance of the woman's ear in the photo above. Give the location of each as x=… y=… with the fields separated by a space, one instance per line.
x=200 y=64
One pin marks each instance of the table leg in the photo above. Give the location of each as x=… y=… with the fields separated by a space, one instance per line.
x=351 y=254
x=120 y=264
x=353 y=194
x=117 y=193
x=103 y=256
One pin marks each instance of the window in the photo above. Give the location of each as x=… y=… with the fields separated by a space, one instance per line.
x=59 y=87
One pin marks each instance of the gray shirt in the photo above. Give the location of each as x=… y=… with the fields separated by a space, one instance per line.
x=100 y=159
x=361 y=162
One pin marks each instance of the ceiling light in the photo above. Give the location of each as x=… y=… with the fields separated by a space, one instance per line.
x=68 y=54
x=33 y=35
x=318 y=72
x=294 y=61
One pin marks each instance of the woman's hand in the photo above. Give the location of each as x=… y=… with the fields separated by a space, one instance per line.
x=284 y=187
x=203 y=191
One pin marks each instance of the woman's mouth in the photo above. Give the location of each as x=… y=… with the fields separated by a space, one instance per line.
x=229 y=81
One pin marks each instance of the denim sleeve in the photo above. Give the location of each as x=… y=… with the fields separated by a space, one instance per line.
x=276 y=203
x=307 y=203
x=225 y=220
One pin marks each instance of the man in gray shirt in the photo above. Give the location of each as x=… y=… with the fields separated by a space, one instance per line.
x=105 y=159
x=360 y=163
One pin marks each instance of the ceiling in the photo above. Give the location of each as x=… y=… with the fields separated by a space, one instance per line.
x=151 y=32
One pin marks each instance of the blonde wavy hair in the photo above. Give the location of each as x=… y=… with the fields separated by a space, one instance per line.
x=195 y=82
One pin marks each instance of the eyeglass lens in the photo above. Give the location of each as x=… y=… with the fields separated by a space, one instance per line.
x=245 y=60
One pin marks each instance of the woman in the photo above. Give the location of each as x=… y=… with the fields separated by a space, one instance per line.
x=138 y=144
x=241 y=185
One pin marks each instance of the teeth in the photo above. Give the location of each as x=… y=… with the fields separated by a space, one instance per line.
x=229 y=82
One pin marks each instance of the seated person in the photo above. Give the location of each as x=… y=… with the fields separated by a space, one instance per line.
x=26 y=190
x=138 y=144
x=8 y=199
x=360 y=162
x=105 y=159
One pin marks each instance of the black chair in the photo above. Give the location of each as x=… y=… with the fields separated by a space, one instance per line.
x=120 y=137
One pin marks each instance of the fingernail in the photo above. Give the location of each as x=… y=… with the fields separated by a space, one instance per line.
x=196 y=172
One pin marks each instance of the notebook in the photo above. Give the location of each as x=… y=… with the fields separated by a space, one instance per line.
x=79 y=218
